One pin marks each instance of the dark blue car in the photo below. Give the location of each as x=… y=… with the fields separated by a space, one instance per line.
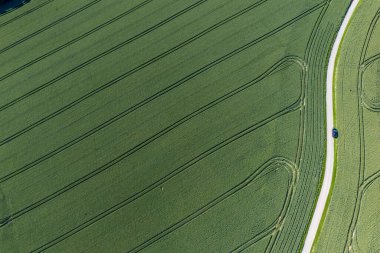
x=335 y=133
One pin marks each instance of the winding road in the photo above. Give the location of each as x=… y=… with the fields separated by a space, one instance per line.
x=329 y=166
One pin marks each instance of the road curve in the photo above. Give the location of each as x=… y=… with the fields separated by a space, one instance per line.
x=329 y=166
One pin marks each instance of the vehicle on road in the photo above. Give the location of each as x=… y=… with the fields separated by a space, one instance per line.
x=335 y=133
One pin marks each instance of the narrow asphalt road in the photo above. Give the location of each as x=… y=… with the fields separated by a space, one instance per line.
x=329 y=167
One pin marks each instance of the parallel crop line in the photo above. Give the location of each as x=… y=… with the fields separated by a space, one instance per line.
x=82 y=36
x=75 y=102
x=48 y=26
x=167 y=177
x=161 y=133
x=174 y=85
x=306 y=190
x=291 y=238
x=83 y=136
x=25 y=13
x=99 y=56
x=309 y=48
x=119 y=46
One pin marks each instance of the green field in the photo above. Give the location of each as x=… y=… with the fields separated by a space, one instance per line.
x=162 y=125
x=352 y=221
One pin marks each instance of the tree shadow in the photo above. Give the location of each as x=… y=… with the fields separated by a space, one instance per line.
x=10 y=5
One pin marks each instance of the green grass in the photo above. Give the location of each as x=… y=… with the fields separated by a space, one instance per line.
x=162 y=125
x=351 y=222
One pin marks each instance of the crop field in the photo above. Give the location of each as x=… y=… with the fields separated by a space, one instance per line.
x=352 y=222
x=164 y=125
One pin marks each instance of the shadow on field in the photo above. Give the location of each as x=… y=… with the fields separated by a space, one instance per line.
x=10 y=5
